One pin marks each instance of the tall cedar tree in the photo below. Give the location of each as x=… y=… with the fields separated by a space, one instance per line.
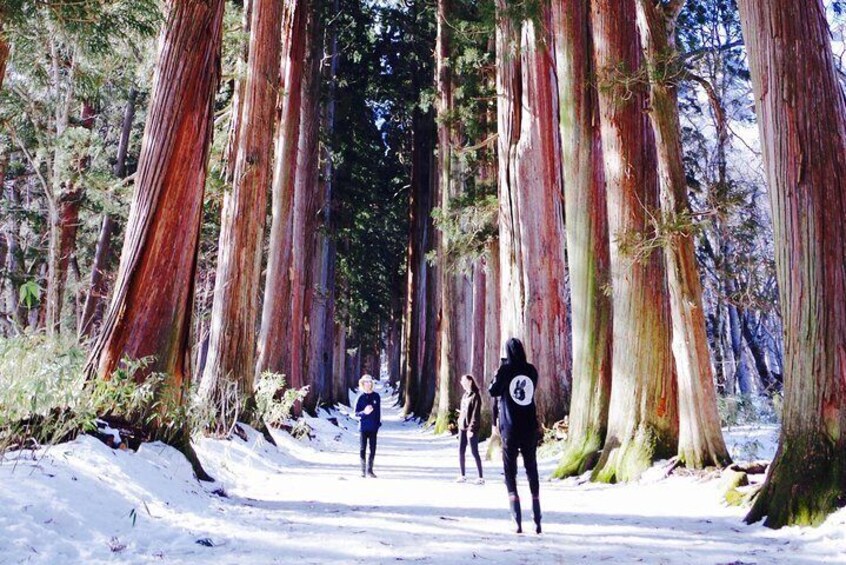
x=455 y=325
x=321 y=339
x=531 y=217
x=150 y=313
x=305 y=221
x=420 y=316
x=230 y=364
x=802 y=119
x=273 y=349
x=587 y=236
x=643 y=414
x=700 y=437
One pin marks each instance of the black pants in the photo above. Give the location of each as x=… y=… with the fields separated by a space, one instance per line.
x=364 y=439
x=474 y=449
x=528 y=447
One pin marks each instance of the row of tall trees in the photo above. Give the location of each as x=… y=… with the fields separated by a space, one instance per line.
x=440 y=177
x=662 y=391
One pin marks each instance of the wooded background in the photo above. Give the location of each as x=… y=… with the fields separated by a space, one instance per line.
x=648 y=193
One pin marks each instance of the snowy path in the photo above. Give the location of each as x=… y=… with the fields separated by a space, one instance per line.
x=305 y=503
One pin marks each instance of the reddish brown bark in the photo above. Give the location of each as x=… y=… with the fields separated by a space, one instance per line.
x=4 y=52
x=700 y=437
x=230 y=364
x=273 y=349
x=802 y=119
x=531 y=218
x=306 y=201
x=587 y=236
x=479 y=315
x=150 y=313
x=493 y=347
x=643 y=412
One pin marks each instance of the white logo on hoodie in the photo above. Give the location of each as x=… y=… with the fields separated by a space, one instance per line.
x=522 y=390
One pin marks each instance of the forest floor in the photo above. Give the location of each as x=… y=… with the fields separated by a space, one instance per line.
x=304 y=502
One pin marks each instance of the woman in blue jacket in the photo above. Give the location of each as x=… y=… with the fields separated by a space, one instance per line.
x=368 y=408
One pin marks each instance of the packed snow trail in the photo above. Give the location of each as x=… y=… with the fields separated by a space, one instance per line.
x=304 y=502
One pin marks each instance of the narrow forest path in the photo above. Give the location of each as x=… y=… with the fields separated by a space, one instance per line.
x=305 y=503
x=320 y=510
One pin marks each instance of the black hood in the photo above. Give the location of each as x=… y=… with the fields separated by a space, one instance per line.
x=515 y=354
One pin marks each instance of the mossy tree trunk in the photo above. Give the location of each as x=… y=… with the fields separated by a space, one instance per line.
x=587 y=237
x=230 y=363
x=802 y=119
x=531 y=216
x=700 y=437
x=643 y=411
x=150 y=313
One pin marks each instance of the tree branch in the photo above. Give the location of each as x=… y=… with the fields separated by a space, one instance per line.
x=699 y=52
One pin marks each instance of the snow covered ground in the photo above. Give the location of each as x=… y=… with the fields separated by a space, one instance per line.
x=305 y=503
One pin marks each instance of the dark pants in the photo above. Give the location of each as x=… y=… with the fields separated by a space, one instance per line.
x=528 y=447
x=474 y=449
x=364 y=439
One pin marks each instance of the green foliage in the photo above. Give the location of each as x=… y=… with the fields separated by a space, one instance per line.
x=274 y=400
x=29 y=294
x=662 y=232
x=45 y=398
x=384 y=68
x=469 y=224
x=37 y=375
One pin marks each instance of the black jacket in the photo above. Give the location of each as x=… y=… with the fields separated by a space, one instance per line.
x=513 y=389
x=470 y=415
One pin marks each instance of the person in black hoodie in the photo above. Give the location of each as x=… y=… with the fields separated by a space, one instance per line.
x=368 y=408
x=469 y=423
x=515 y=414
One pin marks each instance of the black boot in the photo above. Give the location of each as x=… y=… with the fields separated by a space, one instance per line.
x=363 y=468
x=514 y=503
x=536 y=511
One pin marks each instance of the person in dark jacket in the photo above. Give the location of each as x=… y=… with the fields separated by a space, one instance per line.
x=469 y=423
x=368 y=408
x=515 y=414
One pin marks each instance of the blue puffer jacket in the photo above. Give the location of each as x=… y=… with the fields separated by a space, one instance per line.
x=369 y=422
